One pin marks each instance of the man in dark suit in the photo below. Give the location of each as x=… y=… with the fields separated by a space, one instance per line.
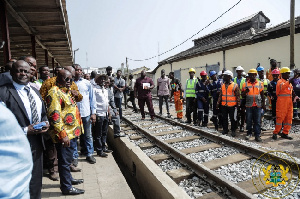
x=26 y=104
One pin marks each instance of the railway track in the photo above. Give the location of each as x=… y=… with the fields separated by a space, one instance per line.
x=221 y=166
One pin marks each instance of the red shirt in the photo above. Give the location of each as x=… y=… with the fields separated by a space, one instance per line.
x=143 y=93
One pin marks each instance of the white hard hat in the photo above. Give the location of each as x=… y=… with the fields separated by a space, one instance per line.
x=219 y=73
x=239 y=68
x=228 y=72
x=243 y=73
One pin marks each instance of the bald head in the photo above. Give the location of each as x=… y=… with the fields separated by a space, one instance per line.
x=64 y=78
x=20 y=72
x=71 y=70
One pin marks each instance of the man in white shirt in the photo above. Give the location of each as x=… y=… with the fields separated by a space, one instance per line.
x=119 y=87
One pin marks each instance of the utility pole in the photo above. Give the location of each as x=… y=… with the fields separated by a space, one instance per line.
x=75 y=54
x=292 y=35
x=127 y=65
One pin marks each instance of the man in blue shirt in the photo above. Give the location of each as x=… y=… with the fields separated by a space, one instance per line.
x=16 y=159
x=215 y=89
x=87 y=108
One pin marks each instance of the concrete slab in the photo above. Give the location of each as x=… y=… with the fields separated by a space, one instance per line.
x=180 y=174
x=200 y=148
x=126 y=128
x=182 y=139
x=148 y=125
x=167 y=132
x=130 y=132
x=146 y=145
x=226 y=160
x=136 y=137
x=158 y=158
x=152 y=181
x=98 y=181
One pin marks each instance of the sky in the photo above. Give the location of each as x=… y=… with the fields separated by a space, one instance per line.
x=108 y=31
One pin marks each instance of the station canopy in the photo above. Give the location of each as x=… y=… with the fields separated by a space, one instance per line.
x=43 y=23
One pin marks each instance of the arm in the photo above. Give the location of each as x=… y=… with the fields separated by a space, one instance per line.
x=75 y=92
x=237 y=95
x=123 y=85
x=93 y=104
x=151 y=84
x=219 y=100
x=157 y=87
x=262 y=99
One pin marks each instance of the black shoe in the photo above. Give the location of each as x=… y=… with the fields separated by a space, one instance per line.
x=233 y=133
x=54 y=176
x=107 y=151
x=91 y=159
x=73 y=191
x=258 y=139
x=204 y=124
x=103 y=155
x=242 y=129
x=216 y=127
x=76 y=181
x=285 y=136
x=119 y=135
x=187 y=122
x=224 y=132
x=75 y=162
x=169 y=115
x=274 y=137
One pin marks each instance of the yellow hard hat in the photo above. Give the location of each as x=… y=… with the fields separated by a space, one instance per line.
x=192 y=70
x=285 y=70
x=252 y=71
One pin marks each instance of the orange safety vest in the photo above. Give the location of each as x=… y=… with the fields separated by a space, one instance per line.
x=228 y=97
x=253 y=96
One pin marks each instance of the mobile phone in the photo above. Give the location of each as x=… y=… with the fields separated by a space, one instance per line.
x=40 y=126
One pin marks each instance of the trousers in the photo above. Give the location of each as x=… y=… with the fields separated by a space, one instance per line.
x=132 y=100
x=229 y=111
x=101 y=133
x=284 y=114
x=118 y=102
x=161 y=99
x=191 y=106
x=203 y=107
x=178 y=104
x=64 y=155
x=148 y=101
x=253 y=114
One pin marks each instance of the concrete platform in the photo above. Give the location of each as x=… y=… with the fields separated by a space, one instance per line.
x=102 y=180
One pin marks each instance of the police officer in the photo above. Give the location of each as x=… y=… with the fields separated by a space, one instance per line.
x=190 y=95
x=202 y=92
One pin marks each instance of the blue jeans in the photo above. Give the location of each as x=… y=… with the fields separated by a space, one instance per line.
x=101 y=133
x=64 y=156
x=118 y=102
x=74 y=146
x=116 y=122
x=253 y=114
x=87 y=136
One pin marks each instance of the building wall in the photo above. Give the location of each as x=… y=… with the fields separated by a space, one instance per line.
x=247 y=56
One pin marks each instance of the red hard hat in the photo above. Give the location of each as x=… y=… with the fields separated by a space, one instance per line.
x=275 y=72
x=203 y=73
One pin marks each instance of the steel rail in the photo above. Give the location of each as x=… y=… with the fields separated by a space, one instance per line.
x=198 y=168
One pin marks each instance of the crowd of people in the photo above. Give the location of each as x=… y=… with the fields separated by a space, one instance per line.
x=53 y=113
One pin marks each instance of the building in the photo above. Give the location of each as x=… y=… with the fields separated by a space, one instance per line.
x=246 y=42
x=137 y=72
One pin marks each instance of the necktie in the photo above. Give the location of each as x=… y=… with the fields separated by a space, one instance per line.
x=34 y=115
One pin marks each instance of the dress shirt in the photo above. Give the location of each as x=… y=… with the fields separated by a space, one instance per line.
x=88 y=102
x=163 y=86
x=24 y=97
x=101 y=100
x=16 y=159
x=119 y=83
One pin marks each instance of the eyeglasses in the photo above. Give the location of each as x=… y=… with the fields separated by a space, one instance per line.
x=69 y=79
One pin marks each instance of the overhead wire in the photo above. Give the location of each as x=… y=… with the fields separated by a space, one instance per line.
x=189 y=37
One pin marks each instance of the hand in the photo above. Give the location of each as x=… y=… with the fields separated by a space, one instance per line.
x=170 y=99
x=217 y=107
x=204 y=100
x=247 y=90
x=146 y=88
x=263 y=107
x=117 y=113
x=93 y=118
x=74 y=93
x=31 y=130
x=65 y=141
x=195 y=100
x=182 y=100
x=272 y=98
